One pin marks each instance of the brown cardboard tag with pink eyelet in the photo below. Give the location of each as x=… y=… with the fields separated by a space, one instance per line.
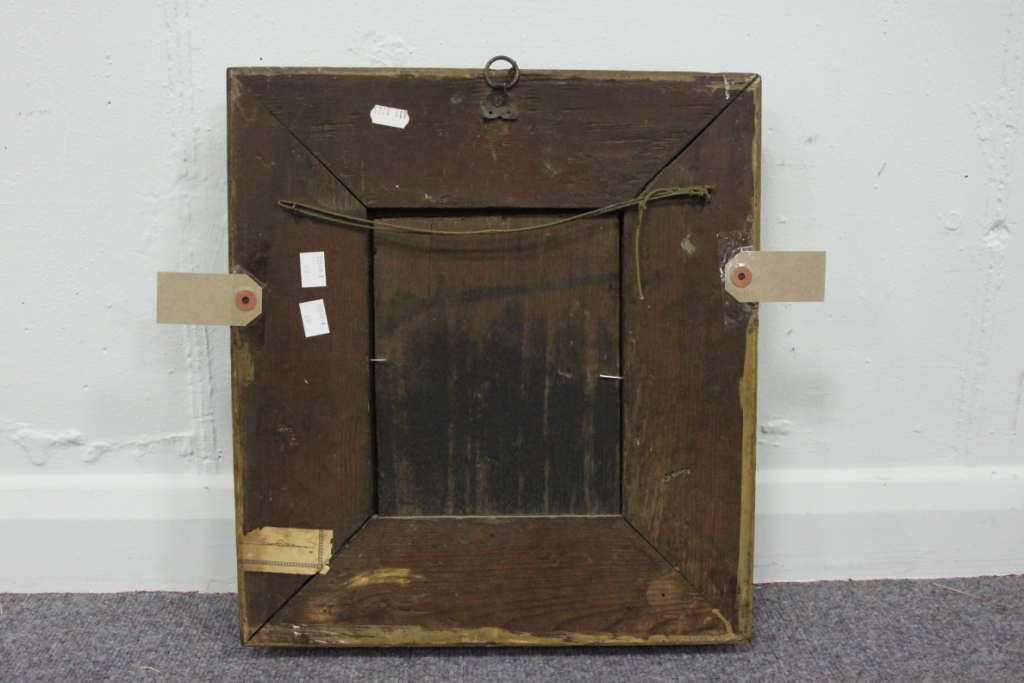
x=207 y=299
x=765 y=276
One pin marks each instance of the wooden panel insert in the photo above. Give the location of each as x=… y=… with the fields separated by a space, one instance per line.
x=490 y=401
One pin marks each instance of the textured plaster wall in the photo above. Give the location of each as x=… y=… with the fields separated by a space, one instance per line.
x=891 y=139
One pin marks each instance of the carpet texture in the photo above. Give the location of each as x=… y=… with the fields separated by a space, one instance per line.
x=830 y=631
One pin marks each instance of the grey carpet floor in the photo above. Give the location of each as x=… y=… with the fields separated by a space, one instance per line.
x=830 y=631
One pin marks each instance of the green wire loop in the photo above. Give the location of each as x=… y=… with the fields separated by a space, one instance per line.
x=641 y=202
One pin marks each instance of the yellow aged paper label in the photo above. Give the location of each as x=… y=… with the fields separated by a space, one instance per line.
x=286 y=551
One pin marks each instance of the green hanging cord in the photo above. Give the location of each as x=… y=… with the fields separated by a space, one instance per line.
x=701 y=191
x=641 y=208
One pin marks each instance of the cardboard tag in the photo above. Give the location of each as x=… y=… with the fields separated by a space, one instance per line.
x=207 y=299
x=281 y=550
x=757 y=276
x=389 y=116
x=313 y=269
x=314 y=318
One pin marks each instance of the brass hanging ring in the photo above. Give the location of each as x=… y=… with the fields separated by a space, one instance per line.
x=511 y=78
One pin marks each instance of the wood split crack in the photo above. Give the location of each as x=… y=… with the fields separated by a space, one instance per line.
x=725 y=622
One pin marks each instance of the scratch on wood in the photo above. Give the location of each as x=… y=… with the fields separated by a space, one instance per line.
x=286 y=435
x=688 y=246
x=246 y=366
x=398 y=576
x=672 y=475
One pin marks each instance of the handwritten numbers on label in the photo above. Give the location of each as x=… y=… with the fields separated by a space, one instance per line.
x=313 y=269
x=314 y=318
x=388 y=116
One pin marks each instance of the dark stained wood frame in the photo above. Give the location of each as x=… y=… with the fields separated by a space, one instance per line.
x=675 y=566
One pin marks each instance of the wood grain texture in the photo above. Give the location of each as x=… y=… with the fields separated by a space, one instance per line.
x=688 y=396
x=528 y=580
x=744 y=622
x=302 y=419
x=473 y=336
x=490 y=401
x=582 y=139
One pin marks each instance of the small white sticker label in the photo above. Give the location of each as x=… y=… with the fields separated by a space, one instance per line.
x=314 y=318
x=314 y=272
x=389 y=116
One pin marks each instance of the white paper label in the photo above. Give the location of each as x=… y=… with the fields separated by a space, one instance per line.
x=314 y=272
x=314 y=318
x=388 y=116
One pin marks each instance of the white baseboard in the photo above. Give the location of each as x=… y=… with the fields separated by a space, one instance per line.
x=117 y=533
x=172 y=532
x=889 y=523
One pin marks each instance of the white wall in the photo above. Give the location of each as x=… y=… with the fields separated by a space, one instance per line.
x=892 y=439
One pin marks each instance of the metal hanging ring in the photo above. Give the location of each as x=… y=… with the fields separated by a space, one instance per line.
x=510 y=80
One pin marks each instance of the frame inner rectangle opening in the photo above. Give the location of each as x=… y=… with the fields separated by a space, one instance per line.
x=498 y=357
